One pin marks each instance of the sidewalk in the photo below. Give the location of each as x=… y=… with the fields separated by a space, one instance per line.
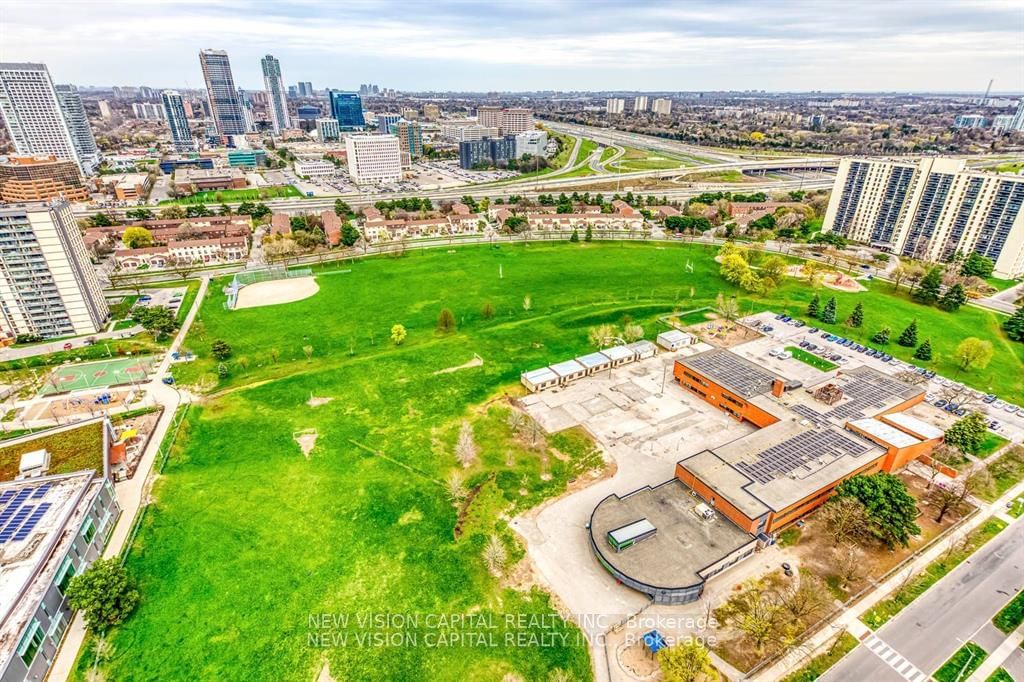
x=131 y=493
x=849 y=619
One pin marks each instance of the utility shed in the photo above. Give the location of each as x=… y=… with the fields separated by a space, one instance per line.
x=673 y=339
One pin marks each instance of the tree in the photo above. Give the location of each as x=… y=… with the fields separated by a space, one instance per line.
x=349 y=234
x=806 y=600
x=954 y=297
x=602 y=335
x=881 y=337
x=588 y=236
x=856 y=318
x=755 y=612
x=908 y=337
x=828 y=313
x=104 y=593
x=950 y=497
x=734 y=268
x=727 y=308
x=465 y=448
x=172 y=213
x=455 y=488
x=968 y=433
x=687 y=661
x=930 y=287
x=845 y=519
x=495 y=555
x=773 y=269
x=814 y=307
x=973 y=352
x=924 y=351
x=159 y=320
x=220 y=349
x=890 y=509
x=102 y=220
x=632 y=332
x=1014 y=326
x=398 y=334
x=446 y=321
x=575 y=237
x=342 y=209
x=976 y=265
x=137 y=237
x=487 y=312
x=183 y=266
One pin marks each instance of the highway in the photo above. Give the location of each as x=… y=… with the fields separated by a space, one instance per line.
x=950 y=613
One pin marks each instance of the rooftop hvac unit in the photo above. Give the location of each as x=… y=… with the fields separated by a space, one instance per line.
x=34 y=464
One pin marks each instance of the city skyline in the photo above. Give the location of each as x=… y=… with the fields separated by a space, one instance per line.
x=593 y=46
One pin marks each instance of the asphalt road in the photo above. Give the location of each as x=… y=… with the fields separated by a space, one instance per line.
x=928 y=632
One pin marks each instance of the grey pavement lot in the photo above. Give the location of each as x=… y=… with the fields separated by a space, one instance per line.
x=957 y=609
x=1010 y=425
x=645 y=429
x=168 y=297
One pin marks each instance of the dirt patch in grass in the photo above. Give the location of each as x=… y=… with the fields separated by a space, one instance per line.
x=477 y=361
x=306 y=440
x=317 y=401
x=637 y=661
x=722 y=334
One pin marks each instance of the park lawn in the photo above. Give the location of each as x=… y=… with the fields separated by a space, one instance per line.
x=990 y=444
x=226 y=195
x=1010 y=616
x=1000 y=284
x=248 y=537
x=642 y=159
x=884 y=610
x=581 y=285
x=960 y=665
x=1007 y=472
x=811 y=359
x=608 y=153
x=819 y=665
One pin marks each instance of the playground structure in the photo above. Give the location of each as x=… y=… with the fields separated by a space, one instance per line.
x=268 y=274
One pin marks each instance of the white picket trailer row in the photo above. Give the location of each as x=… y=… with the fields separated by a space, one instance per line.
x=586 y=365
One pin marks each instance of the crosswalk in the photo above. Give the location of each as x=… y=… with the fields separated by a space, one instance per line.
x=892 y=658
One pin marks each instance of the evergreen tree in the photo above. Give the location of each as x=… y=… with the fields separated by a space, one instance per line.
x=856 y=318
x=828 y=313
x=930 y=286
x=954 y=297
x=909 y=336
x=588 y=236
x=1014 y=327
x=924 y=351
x=814 y=307
x=881 y=336
x=575 y=235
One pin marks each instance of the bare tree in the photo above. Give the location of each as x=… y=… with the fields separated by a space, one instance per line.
x=950 y=497
x=465 y=447
x=182 y=266
x=844 y=518
x=495 y=555
x=455 y=488
x=848 y=564
x=806 y=601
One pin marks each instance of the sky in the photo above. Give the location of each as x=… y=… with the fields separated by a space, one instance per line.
x=495 y=45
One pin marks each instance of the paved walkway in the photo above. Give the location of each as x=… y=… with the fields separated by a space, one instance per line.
x=997 y=656
x=131 y=493
x=849 y=619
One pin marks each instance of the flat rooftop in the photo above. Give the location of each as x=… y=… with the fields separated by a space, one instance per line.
x=731 y=371
x=683 y=545
x=807 y=449
x=30 y=559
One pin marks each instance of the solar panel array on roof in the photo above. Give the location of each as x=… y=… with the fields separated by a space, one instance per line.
x=798 y=452
x=17 y=519
x=732 y=371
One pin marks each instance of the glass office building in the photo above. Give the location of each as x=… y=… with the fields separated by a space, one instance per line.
x=347 y=109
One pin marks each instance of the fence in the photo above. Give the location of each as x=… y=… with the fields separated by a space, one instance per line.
x=269 y=274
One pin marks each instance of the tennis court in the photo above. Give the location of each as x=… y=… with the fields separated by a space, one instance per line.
x=97 y=374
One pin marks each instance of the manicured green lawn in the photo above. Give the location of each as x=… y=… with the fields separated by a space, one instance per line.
x=961 y=664
x=1000 y=675
x=819 y=665
x=990 y=444
x=223 y=195
x=880 y=614
x=1011 y=616
x=719 y=176
x=811 y=359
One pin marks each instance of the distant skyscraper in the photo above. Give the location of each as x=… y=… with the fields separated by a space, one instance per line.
x=386 y=121
x=615 y=106
x=177 y=121
x=78 y=125
x=305 y=89
x=293 y=91
x=275 y=93
x=105 y=111
x=347 y=108
x=410 y=138
x=662 y=107
x=1017 y=122
x=640 y=103
x=220 y=86
x=34 y=115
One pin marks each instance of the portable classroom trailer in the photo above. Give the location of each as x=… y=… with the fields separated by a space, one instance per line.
x=643 y=349
x=673 y=339
x=619 y=355
x=594 y=362
x=539 y=379
x=568 y=371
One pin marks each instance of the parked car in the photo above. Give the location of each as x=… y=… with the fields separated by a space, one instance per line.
x=1010 y=408
x=767 y=328
x=961 y=412
x=785 y=355
x=813 y=330
x=940 y=402
x=990 y=398
x=67 y=346
x=798 y=323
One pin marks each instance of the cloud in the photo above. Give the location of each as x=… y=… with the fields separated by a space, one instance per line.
x=601 y=44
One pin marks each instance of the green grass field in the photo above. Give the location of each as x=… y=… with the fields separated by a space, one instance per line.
x=719 y=176
x=811 y=359
x=1010 y=616
x=223 y=195
x=248 y=537
x=96 y=374
x=960 y=665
